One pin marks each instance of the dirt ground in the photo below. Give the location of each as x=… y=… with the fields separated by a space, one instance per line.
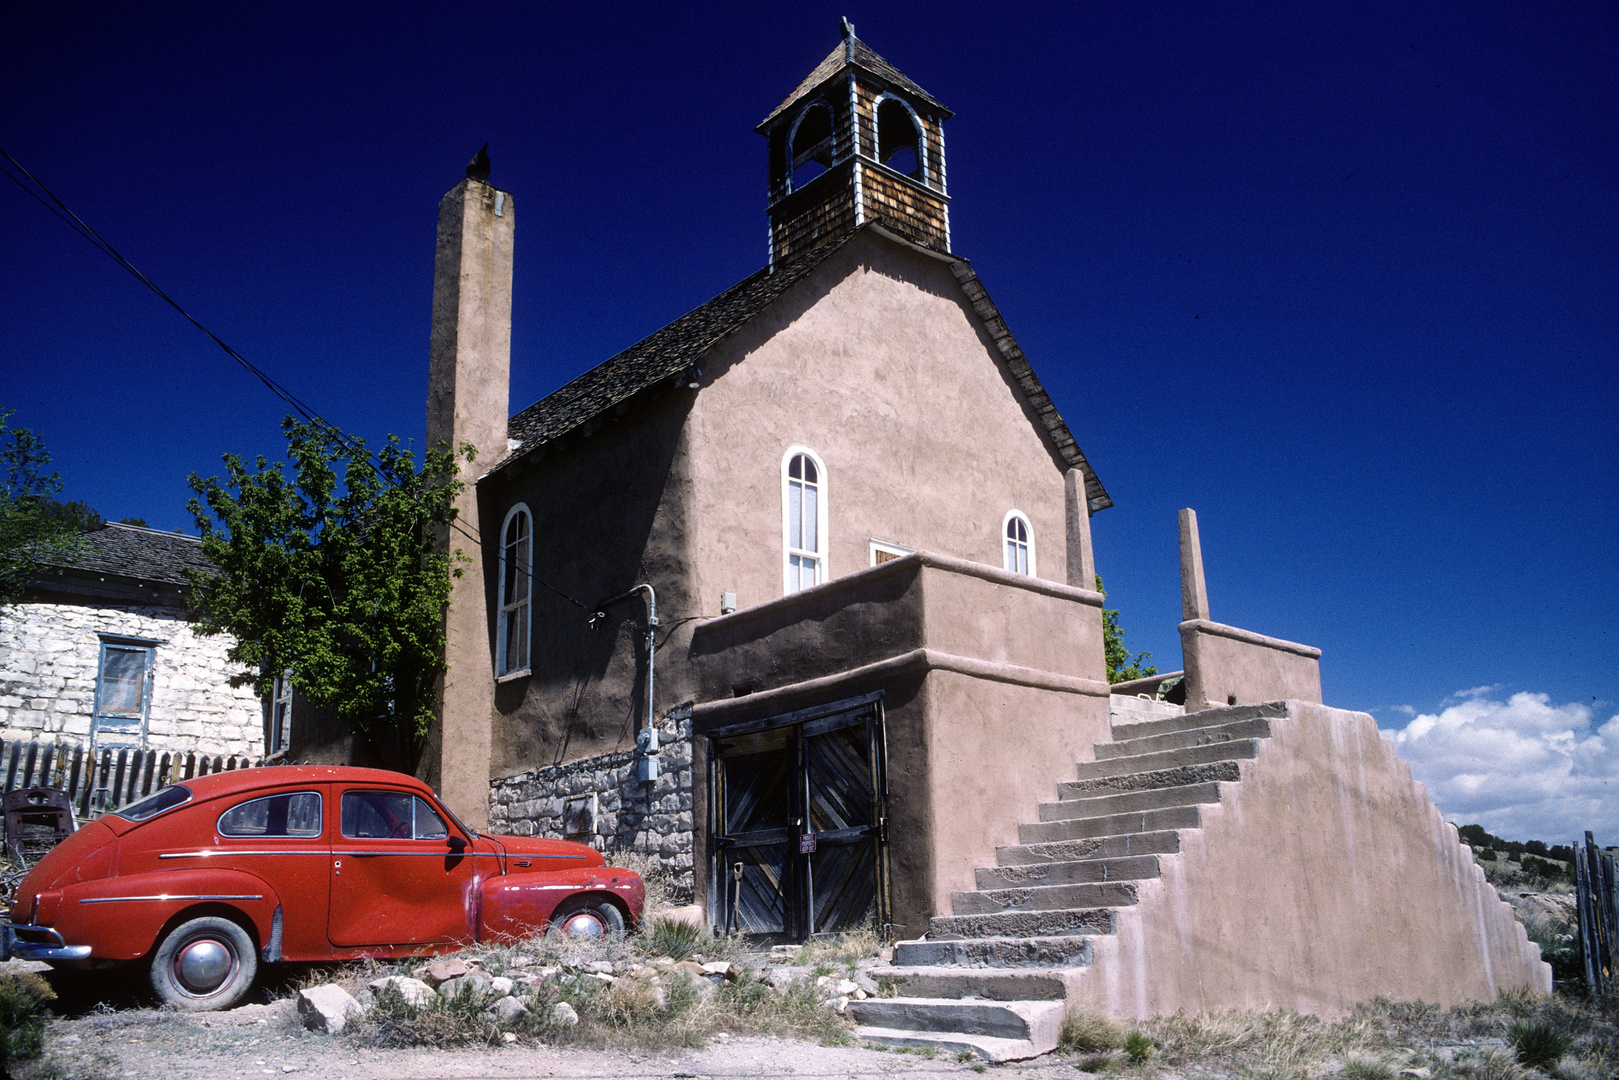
x=267 y=1040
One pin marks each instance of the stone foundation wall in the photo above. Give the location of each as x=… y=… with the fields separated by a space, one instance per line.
x=49 y=660
x=598 y=801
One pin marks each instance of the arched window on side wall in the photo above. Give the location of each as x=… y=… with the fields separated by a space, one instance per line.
x=516 y=590
x=803 y=519
x=1019 y=547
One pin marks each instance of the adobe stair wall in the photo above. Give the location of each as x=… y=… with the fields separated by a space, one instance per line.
x=1321 y=878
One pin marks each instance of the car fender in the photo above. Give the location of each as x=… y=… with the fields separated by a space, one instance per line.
x=120 y=918
x=520 y=905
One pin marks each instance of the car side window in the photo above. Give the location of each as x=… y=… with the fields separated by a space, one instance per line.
x=429 y=826
x=396 y=815
x=291 y=814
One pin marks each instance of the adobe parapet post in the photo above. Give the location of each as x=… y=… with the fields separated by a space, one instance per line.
x=1226 y=665
x=467 y=398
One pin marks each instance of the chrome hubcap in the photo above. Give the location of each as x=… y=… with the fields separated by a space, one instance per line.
x=203 y=966
x=584 y=925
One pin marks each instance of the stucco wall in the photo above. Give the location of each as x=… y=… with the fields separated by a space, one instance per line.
x=49 y=660
x=878 y=364
x=1226 y=665
x=993 y=691
x=609 y=512
x=1322 y=878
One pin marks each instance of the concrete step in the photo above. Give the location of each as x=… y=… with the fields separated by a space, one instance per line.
x=1187 y=757
x=961 y=1016
x=1028 y=875
x=1070 y=923
x=1101 y=847
x=1175 y=817
x=994 y=1030
x=1256 y=728
x=989 y=984
x=1059 y=951
x=1130 y=802
x=1044 y=898
x=1225 y=714
x=986 y=1047
x=1171 y=776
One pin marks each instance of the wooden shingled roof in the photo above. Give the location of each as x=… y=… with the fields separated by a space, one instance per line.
x=670 y=353
x=852 y=52
x=129 y=551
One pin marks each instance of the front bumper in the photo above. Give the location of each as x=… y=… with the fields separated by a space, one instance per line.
x=37 y=943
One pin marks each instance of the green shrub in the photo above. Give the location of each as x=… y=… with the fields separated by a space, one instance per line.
x=1537 y=1043
x=1362 y=1069
x=672 y=938
x=1138 y=1048
x=1089 y=1033
x=22 y=1032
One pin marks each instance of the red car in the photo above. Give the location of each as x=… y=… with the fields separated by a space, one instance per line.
x=208 y=878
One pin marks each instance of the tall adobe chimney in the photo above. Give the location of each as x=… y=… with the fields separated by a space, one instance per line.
x=468 y=383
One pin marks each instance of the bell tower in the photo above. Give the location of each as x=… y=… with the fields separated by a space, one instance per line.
x=856 y=142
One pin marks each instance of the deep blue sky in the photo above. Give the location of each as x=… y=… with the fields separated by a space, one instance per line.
x=1342 y=277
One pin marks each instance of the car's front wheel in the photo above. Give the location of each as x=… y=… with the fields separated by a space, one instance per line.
x=204 y=963
x=589 y=917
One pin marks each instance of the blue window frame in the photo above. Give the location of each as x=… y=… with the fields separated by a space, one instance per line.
x=123 y=692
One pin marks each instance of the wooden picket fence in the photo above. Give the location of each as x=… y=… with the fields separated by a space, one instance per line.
x=109 y=779
x=1597 y=901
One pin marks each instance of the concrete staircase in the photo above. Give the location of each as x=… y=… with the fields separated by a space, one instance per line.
x=1046 y=898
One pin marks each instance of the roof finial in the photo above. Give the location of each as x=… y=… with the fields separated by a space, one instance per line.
x=846 y=26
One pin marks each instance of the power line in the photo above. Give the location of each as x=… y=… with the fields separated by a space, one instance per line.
x=56 y=206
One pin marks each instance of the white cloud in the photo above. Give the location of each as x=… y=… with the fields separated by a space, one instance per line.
x=1523 y=768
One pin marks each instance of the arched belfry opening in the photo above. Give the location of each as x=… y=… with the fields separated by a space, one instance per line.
x=899 y=138
x=856 y=142
x=809 y=144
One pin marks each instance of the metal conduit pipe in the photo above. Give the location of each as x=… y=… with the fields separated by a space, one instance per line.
x=647 y=741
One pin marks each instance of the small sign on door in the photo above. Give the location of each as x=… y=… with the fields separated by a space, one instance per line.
x=806 y=844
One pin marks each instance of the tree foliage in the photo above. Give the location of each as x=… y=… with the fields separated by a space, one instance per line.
x=34 y=525
x=338 y=573
x=1121 y=666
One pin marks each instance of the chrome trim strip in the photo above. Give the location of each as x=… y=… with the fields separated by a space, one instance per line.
x=173 y=896
x=236 y=851
x=448 y=854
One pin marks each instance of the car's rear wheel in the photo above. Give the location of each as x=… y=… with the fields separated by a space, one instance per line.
x=587 y=918
x=205 y=963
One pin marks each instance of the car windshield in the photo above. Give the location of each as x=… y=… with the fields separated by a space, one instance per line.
x=153 y=805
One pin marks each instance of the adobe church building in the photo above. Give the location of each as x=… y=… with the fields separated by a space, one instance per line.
x=796 y=597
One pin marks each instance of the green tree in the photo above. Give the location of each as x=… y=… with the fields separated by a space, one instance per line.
x=34 y=526
x=342 y=579
x=1121 y=666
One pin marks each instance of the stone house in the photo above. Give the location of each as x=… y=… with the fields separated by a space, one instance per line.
x=100 y=651
x=795 y=597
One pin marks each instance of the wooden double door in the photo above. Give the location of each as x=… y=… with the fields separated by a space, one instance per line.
x=797 y=813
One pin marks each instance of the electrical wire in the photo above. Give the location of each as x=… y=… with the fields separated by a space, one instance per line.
x=352 y=443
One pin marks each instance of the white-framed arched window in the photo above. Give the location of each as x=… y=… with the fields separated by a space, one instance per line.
x=516 y=591
x=803 y=519
x=1017 y=543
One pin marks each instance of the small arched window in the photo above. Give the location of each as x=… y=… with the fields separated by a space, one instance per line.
x=516 y=590
x=803 y=519
x=1019 y=547
x=899 y=138
x=809 y=144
